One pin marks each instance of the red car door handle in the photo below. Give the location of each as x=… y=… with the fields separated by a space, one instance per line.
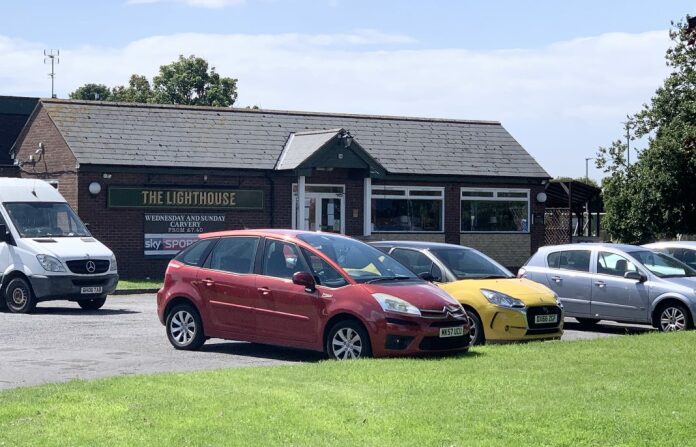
x=264 y=290
x=208 y=282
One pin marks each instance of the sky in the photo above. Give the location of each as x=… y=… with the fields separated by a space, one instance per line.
x=561 y=76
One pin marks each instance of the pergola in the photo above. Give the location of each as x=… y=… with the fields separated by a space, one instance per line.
x=579 y=199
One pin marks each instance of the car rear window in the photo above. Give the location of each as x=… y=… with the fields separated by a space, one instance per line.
x=578 y=260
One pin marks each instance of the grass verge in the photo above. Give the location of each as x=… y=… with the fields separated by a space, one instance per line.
x=137 y=284
x=633 y=390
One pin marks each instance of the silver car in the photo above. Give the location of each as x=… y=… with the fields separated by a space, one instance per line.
x=623 y=283
x=685 y=251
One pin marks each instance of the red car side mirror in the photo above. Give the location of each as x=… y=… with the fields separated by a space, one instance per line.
x=305 y=279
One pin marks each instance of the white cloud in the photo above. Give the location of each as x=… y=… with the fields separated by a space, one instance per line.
x=560 y=101
x=195 y=3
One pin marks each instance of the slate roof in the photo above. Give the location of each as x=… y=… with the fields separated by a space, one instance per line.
x=301 y=145
x=183 y=136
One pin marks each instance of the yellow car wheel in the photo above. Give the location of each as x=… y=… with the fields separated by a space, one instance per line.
x=476 y=328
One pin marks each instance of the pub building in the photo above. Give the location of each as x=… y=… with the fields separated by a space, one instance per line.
x=147 y=179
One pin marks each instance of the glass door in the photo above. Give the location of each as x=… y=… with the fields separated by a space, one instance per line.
x=324 y=208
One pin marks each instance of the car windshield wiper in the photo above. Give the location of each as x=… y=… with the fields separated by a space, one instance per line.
x=491 y=277
x=388 y=278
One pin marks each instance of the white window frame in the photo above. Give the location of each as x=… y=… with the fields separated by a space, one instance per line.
x=495 y=198
x=376 y=189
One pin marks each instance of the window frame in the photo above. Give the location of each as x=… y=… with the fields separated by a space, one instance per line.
x=407 y=196
x=300 y=258
x=495 y=198
x=638 y=266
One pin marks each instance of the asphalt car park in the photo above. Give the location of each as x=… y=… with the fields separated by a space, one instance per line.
x=60 y=342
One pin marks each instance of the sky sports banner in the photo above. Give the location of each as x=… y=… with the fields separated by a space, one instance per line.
x=168 y=234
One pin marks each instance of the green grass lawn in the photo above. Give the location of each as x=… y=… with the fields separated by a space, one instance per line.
x=134 y=284
x=633 y=390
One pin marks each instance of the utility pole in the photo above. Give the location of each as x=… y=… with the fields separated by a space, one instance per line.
x=53 y=56
x=587 y=167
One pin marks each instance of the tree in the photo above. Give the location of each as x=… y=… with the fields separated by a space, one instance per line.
x=92 y=92
x=188 y=80
x=138 y=90
x=655 y=197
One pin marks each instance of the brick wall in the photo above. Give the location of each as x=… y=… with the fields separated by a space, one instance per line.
x=122 y=229
x=56 y=163
x=425 y=237
x=510 y=250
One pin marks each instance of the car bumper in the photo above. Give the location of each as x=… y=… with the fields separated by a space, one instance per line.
x=406 y=336
x=507 y=325
x=69 y=287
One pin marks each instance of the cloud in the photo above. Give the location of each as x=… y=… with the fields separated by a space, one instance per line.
x=560 y=101
x=195 y=3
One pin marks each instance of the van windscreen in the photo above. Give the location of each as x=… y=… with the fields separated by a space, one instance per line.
x=40 y=219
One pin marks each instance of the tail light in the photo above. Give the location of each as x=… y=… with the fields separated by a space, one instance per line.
x=521 y=272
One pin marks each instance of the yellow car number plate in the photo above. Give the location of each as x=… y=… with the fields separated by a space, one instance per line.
x=541 y=319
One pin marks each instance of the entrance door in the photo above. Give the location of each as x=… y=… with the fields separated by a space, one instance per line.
x=324 y=208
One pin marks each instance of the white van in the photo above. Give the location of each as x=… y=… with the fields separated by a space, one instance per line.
x=46 y=252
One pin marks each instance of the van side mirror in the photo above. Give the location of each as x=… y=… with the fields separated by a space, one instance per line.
x=5 y=235
x=636 y=276
x=305 y=279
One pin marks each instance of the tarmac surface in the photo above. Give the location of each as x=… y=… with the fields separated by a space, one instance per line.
x=61 y=342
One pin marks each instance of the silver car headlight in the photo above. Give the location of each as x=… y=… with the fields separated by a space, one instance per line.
x=113 y=266
x=502 y=300
x=391 y=303
x=50 y=264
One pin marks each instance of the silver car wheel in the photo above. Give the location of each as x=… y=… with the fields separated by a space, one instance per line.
x=182 y=327
x=19 y=296
x=672 y=319
x=346 y=344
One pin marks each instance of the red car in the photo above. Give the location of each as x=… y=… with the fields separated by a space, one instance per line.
x=306 y=290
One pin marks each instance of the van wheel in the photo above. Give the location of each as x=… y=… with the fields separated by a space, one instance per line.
x=476 y=334
x=348 y=340
x=185 y=328
x=18 y=297
x=93 y=304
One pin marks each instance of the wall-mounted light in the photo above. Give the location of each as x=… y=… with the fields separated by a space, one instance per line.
x=541 y=197
x=94 y=188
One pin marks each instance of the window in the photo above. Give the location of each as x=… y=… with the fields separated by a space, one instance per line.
x=416 y=261
x=613 y=264
x=686 y=256
x=282 y=260
x=39 y=219
x=323 y=273
x=465 y=263
x=407 y=209
x=663 y=265
x=578 y=260
x=234 y=254
x=195 y=253
x=359 y=260
x=495 y=210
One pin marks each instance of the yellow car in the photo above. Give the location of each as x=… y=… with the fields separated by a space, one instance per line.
x=501 y=308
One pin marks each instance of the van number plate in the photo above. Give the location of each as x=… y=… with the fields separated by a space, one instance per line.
x=541 y=319
x=90 y=290
x=451 y=331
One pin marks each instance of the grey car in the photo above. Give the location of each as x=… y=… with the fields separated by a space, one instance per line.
x=615 y=282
